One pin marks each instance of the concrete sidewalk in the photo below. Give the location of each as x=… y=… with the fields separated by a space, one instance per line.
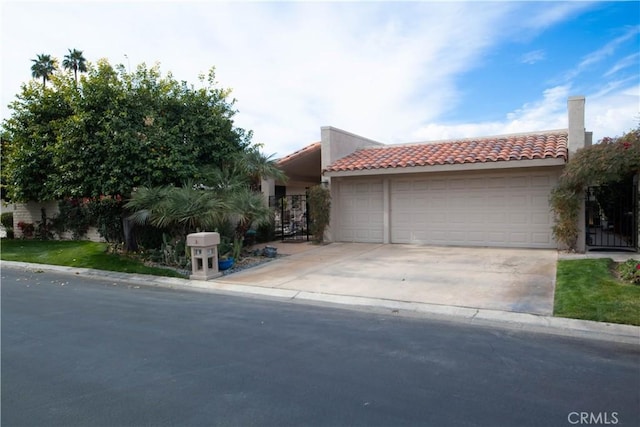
x=473 y=316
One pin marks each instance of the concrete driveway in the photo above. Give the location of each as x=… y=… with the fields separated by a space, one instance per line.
x=518 y=280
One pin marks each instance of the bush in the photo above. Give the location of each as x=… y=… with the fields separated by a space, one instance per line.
x=320 y=210
x=73 y=216
x=27 y=229
x=7 y=220
x=106 y=216
x=630 y=271
x=266 y=232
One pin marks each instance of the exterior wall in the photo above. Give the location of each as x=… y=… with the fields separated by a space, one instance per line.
x=297 y=190
x=337 y=143
x=31 y=212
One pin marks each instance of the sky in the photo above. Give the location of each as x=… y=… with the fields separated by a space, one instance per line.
x=394 y=72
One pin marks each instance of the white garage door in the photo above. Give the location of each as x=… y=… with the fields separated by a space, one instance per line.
x=360 y=206
x=504 y=209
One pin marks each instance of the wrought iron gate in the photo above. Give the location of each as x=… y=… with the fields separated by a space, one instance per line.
x=291 y=217
x=612 y=216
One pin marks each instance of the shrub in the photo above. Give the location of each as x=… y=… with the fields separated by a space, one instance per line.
x=320 y=211
x=73 y=216
x=106 y=216
x=27 y=229
x=630 y=271
x=266 y=232
x=7 y=220
x=612 y=160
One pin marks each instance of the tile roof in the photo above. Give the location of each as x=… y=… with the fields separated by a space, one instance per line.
x=541 y=145
x=300 y=153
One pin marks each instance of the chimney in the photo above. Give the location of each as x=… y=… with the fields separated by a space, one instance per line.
x=577 y=134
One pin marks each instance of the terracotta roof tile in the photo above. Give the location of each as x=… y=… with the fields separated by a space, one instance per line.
x=542 y=145
x=301 y=152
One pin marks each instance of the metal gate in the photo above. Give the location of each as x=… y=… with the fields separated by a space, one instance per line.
x=612 y=216
x=291 y=217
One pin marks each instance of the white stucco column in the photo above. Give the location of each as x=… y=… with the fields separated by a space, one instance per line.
x=268 y=187
x=578 y=140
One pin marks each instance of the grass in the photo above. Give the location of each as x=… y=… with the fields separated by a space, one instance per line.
x=588 y=289
x=76 y=253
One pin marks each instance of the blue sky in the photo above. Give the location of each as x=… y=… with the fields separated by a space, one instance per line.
x=393 y=72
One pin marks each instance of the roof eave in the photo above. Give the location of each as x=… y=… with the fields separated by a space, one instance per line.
x=456 y=167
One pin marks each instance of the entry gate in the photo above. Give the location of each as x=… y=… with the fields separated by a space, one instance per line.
x=612 y=216
x=291 y=217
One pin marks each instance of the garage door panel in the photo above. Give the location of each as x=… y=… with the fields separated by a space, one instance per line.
x=491 y=209
x=360 y=211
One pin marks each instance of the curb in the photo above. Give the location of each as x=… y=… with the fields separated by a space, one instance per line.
x=586 y=329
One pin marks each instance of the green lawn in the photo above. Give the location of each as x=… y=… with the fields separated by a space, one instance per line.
x=588 y=289
x=75 y=254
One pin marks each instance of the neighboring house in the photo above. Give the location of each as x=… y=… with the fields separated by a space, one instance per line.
x=488 y=191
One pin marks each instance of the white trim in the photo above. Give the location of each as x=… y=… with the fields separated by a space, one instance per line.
x=458 y=167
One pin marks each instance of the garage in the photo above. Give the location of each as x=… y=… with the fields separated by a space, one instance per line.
x=491 y=191
x=502 y=209
x=505 y=208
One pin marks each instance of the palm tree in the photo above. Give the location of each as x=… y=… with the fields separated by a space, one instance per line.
x=75 y=61
x=256 y=166
x=43 y=66
x=181 y=210
x=226 y=195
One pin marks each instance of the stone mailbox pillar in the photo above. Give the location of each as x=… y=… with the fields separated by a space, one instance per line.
x=204 y=255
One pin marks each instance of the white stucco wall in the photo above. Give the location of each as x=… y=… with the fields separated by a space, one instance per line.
x=31 y=212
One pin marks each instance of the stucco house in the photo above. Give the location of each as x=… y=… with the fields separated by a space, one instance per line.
x=486 y=191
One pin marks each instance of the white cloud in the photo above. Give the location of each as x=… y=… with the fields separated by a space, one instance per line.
x=607 y=50
x=546 y=114
x=610 y=112
x=549 y=13
x=613 y=113
x=602 y=53
x=626 y=62
x=533 y=57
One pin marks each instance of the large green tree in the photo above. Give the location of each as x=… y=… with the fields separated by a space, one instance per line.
x=75 y=61
x=115 y=131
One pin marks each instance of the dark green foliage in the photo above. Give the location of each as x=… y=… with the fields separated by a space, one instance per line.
x=73 y=216
x=266 y=232
x=7 y=219
x=320 y=211
x=610 y=161
x=630 y=271
x=106 y=215
x=114 y=131
x=43 y=66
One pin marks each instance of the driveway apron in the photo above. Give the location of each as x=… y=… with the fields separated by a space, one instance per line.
x=518 y=280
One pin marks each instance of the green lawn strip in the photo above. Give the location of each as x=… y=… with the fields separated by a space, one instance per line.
x=83 y=254
x=587 y=289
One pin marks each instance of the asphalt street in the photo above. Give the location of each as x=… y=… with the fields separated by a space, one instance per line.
x=89 y=352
